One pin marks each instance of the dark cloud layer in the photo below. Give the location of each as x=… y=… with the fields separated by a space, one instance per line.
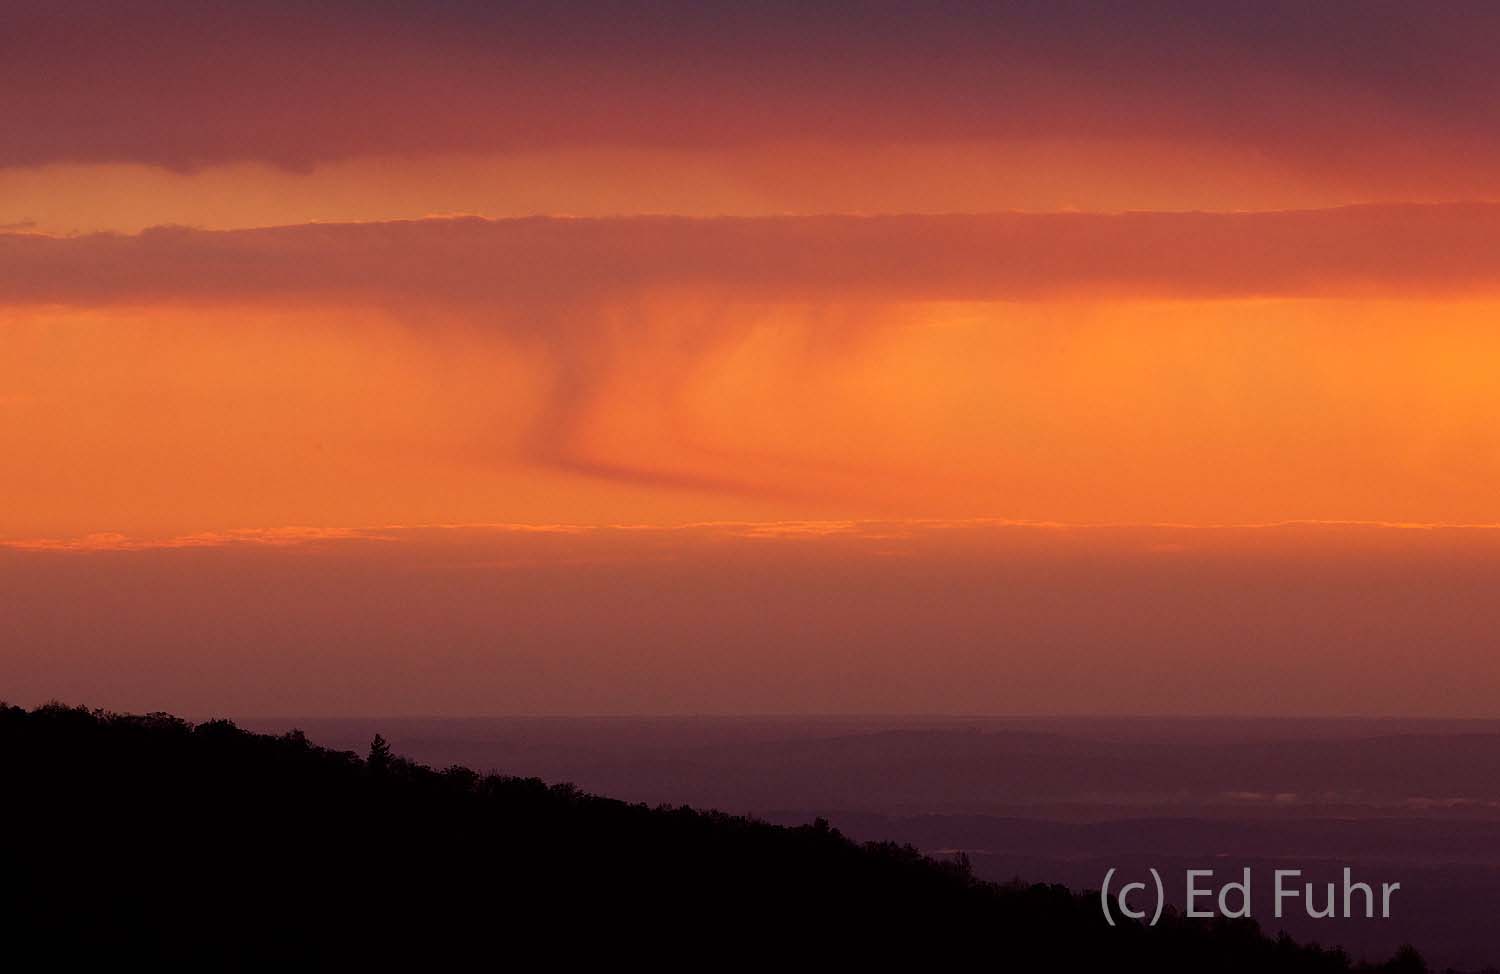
x=1354 y=86
x=539 y=264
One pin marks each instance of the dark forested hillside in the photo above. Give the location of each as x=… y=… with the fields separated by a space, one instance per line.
x=133 y=838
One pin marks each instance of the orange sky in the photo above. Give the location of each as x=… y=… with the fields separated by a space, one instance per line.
x=895 y=269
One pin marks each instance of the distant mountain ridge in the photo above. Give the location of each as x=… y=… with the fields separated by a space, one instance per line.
x=150 y=839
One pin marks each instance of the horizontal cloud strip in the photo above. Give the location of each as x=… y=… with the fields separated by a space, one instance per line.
x=182 y=83
x=1387 y=250
x=1158 y=538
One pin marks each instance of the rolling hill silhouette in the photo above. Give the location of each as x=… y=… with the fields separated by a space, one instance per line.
x=136 y=839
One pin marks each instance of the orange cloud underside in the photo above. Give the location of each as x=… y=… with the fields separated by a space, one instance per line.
x=167 y=420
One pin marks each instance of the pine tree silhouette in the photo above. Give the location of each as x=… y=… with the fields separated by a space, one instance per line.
x=380 y=755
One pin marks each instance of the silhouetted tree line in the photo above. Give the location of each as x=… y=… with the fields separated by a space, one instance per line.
x=131 y=839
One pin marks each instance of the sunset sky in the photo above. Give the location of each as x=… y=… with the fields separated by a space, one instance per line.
x=384 y=357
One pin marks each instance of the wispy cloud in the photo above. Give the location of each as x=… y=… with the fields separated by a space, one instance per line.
x=1161 y=537
x=274 y=537
x=531 y=273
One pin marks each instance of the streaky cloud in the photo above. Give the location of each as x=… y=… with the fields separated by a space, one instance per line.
x=559 y=264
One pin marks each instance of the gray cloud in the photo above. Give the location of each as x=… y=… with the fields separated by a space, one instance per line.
x=555 y=263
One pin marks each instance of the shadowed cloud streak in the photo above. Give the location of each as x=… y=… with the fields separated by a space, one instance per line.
x=1387 y=250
